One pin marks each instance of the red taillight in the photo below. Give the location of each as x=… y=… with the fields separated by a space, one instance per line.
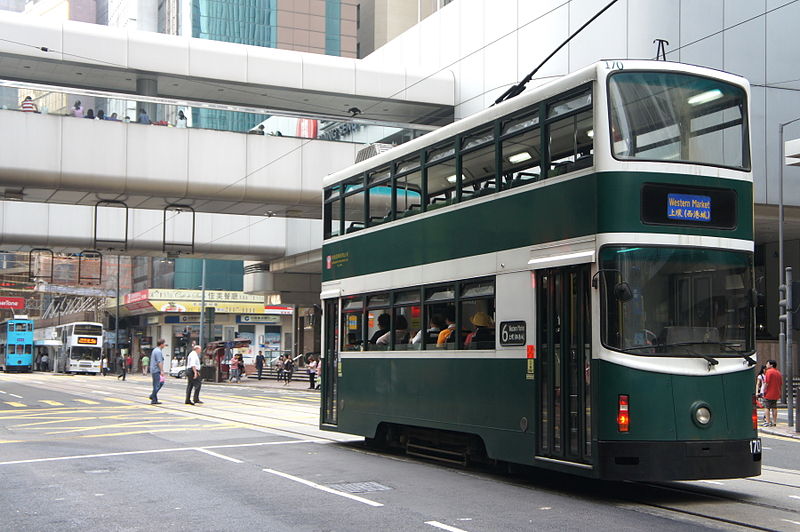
x=623 y=416
x=755 y=412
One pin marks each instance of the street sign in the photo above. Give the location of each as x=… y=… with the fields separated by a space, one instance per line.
x=12 y=302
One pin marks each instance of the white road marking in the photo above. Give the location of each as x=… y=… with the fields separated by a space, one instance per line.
x=790 y=521
x=101 y=391
x=323 y=488
x=712 y=482
x=1 y=391
x=794 y=496
x=151 y=451
x=212 y=453
x=15 y=395
x=437 y=524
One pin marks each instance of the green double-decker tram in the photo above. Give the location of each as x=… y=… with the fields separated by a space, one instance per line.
x=563 y=280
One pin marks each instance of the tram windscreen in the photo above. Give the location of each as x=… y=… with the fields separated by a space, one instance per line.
x=85 y=353
x=673 y=117
x=680 y=302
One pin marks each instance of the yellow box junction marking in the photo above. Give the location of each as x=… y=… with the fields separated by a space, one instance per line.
x=51 y=403
x=15 y=404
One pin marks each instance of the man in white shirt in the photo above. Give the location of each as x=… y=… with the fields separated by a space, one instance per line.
x=193 y=376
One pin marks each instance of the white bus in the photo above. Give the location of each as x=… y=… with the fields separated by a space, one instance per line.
x=81 y=347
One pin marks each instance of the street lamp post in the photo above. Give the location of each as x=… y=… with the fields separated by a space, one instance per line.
x=784 y=289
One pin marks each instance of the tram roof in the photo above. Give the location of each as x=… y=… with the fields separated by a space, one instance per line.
x=529 y=96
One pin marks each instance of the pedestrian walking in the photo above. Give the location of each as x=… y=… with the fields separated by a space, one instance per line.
x=104 y=365
x=260 y=364
x=123 y=368
x=234 y=369
x=773 y=384
x=145 y=364
x=279 y=366
x=288 y=369
x=156 y=369
x=193 y=377
x=45 y=362
x=311 y=367
x=129 y=363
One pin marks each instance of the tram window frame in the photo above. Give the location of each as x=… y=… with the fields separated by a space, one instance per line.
x=565 y=109
x=408 y=176
x=333 y=219
x=476 y=148
x=451 y=307
x=401 y=300
x=353 y=306
x=521 y=127
x=441 y=164
x=472 y=291
x=357 y=195
x=375 y=180
x=381 y=301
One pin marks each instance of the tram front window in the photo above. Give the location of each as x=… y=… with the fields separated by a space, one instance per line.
x=679 y=302
x=667 y=116
x=85 y=353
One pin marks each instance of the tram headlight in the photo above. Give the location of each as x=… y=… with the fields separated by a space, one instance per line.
x=702 y=415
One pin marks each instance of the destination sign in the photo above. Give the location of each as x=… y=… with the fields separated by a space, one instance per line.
x=512 y=333
x=87 y=340
x=689 y=207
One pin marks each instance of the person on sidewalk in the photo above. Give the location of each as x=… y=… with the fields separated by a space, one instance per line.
x=193 y=377
x=773 y=384
x=260 y=364
x=145 y=364
x=156 y=367
x=288 y=369
x=311 y=367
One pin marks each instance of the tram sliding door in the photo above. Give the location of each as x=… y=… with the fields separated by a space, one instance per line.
x=330 y=367
x=564 y=357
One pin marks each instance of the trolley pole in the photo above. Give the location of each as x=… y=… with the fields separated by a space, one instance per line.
x=201 y=338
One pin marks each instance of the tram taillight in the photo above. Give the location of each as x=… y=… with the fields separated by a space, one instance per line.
x=623 y=417
x=755 y=412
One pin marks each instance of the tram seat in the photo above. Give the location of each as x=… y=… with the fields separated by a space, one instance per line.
x=559 y=168
x=584 y=161
x=354 y=226
x=523 y=178
x=485 y=192
x=412 y=209
x=683 y=334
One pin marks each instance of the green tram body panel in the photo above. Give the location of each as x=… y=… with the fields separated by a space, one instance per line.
x=490 y=398
x=606 y=202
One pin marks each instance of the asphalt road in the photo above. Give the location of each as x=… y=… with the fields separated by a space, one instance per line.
x=89 y=452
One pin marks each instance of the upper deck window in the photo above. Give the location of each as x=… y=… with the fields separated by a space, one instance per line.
x=666 y=116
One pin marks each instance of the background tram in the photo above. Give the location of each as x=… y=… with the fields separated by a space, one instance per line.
x=81 y=347
x=588 y=247
x=16 y=345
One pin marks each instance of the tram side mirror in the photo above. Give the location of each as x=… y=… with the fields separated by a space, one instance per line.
x=623 y=292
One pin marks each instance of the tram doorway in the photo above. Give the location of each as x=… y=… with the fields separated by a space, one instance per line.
x=564 y=361
x=330 y=363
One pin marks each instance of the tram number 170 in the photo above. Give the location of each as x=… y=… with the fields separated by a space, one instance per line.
x=755 y=446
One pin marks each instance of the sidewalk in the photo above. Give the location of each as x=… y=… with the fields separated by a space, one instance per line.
x=781 y=429
x=249 y=382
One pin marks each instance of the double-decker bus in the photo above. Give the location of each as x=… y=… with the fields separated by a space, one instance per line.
x=16 y=345
x=81 y=347
x=563 y=280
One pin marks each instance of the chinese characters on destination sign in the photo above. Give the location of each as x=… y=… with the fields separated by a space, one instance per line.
x=512 y=333
x=689 y=207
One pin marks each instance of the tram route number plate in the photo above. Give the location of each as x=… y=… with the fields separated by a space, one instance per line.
x=755 y=446
x=513 y=333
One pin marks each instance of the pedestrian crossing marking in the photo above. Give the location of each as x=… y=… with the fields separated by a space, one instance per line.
x=87 y=401
x=15 y=404
x=51 y=403
x=115 y=400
